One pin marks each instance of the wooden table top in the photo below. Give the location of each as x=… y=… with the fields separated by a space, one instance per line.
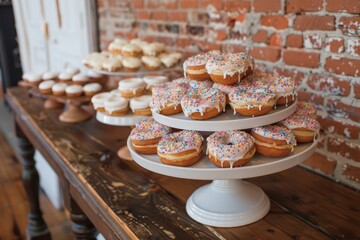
x=123 y=200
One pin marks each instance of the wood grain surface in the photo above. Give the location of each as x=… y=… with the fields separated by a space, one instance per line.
x=135 y=203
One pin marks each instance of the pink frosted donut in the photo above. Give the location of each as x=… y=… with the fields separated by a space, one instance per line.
x=182 y=148
x=146 y=134
x=167 y=101
x=203 y=103
x=230 y=148
x=305 y=109
x=305 y=129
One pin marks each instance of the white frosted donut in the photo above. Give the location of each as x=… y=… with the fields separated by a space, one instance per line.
x=153 y=49
x=131 y=62
x=47 y=84
x=72 y=70
x=154 y=80
x=92 y=74
x=115 y=92
x=139 y=42
x=151 y=61
x=50 y=75
x=98 y=100
x=65 y=76
x=141 y=102
x=111 y=64
x=33 y=77
x=169 y=60
x=113 y=103
x=131 y=48
x=92 y=87
x=74 y=89
x=59 y=87
x=80 y=78
x=131 y=84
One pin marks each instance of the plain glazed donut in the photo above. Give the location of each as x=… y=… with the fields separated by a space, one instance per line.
x=146 y=135
x=230 y=148
x=273 y=140
x=304 y=128
x=182 y=148
x=203 y=103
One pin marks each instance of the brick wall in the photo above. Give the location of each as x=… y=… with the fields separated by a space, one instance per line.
x=315 y=41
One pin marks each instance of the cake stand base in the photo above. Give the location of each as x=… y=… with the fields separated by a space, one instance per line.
x=74 y=114
x=124 y=153
x=52 y=104
x=228 y=203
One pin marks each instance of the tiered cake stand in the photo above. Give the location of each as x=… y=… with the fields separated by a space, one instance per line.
x=228 y=201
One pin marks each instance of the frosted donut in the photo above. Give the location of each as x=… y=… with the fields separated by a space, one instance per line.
x=151 y=63
x=132 y=87
x=33 y=78
x=91 y=89
x=131 y=50
x=182 y=82
x=80 y=79
x=203 y=103
x=65 y=77
x=116 y=45
x=140 y=105
x=94 y=76
x=230 y=148
x=153 y=49
x=305 y=109
x=152 y=81
x=72 y=70
x=115 y=92
x=58 y=89
x=273 y=140
x=94 y=60
x=182 y=148
x=194 y=67
x=116 y=106
x=50 y=76
x=229 y=68
x=146 y=135
x=252 y=101
x=305 y=129
x=45 y=86
x=98 y=101
x=112 y=65
x=201 y=84
x=169 y=60
x=138 y=42
x=131 y=64
x=74 y=91
x=227 y=89
x=162 y=87
x=168 y=101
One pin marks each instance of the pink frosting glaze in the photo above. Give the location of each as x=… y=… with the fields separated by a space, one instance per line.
x=229 y=145
x=148 y=128
x=276 y=132
x=180 y=142
x=199 y=99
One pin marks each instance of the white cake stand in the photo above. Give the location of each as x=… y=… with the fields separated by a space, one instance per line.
x=126 y=120
x=228 y=201
x=141 y=72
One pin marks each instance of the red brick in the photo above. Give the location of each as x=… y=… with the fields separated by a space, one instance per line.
x=216 y=3
x=322 y=163
x=221 y=34
x=178 y=16
x=294 y=40
x=233 y=48
x=189 y=4
x=271 y=54
x=312 y=22
x=300 y=6
x=142 y=15
x=275 y=40
x=350 y=26
x=344 y=148
x=331 y=125
x=208 y=46
x=100 y=3
x=312 y=41
x=301 y=58
x=351 y=172
x=278 y=22
x=329 y=84
x=348 y=110
x=353 y=47
x=183 y=42
x=237 y=6
x=267 y=6
x=169 y=4
x=160 y=15
x=295 y=74
x=334 y=44
x=350 y=6
x=357 y=90
x=138 y=3
x=260 y=36
x=310 y=97
x=345 y=66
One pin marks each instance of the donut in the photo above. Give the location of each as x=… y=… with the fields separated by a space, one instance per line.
x=229 y=149
x=132 y=87
x=137 y=41
x=251 y=101
x=194 y=67
x=203 y=103
x=33 y=79
x=58 y=89
x=45 y=86
x=94 y=76
x=162 y=87
x=305 y=109
x=131 y=64
x=80 y=79
x=146 y=135
x=182 y=82
x=304 y=128
x=50 y=76
x=140 y=105
x=167 y=100
x=116 y=106
x=94 y=60
x=152 y=81
x=226 y=89
x=151 y=63
x=72 y=70
x=112 y=65
x=131 y=50
x=153 y=49
x=182 y=148
x=91 y=89
x=273 y=140
x=201 y=84
x=169 y=60
x=98 y=101
x=116 y=45
x=229 y=68
x=65 y=77
x=73 y=91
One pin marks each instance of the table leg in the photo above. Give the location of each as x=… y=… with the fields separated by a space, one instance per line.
x=36 y=228
x=81 y=225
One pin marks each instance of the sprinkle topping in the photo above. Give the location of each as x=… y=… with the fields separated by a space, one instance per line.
x=148 y=128
x=180 y=141
x=277 y=132
x=294 y=122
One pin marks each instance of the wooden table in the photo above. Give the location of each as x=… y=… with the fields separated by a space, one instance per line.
x=124 y=201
